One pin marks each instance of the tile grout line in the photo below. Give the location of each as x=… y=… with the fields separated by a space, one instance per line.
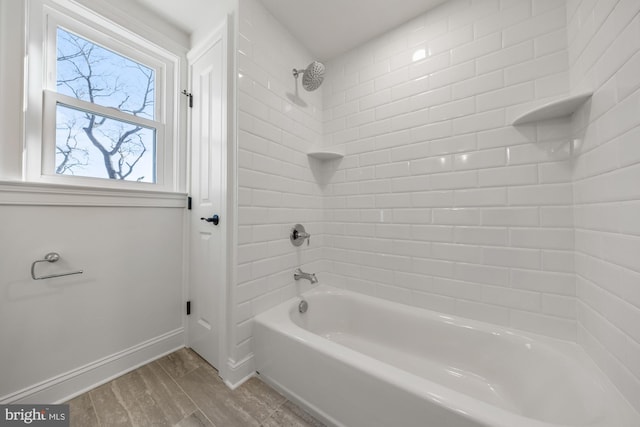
x=274 y=411
x=260 y=422
x=93 y=408
x=118 y=393
x=187 y=394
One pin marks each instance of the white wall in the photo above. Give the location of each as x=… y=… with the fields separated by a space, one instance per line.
x=145 y=22
x=604 y=52
x=276 y=188
x=60 y=336
x=130 y=291
x=217 y=14
x=11 y=93
x=440 y=202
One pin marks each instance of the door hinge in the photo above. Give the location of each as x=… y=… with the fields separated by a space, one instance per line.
x=188 y=308
x=189 y=202
x=188 y=95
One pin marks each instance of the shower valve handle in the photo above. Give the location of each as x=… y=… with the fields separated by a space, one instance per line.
x=301 y=235
x=298 y=235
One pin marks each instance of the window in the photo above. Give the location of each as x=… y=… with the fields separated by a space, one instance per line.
x=107 y=110
x=90 y=141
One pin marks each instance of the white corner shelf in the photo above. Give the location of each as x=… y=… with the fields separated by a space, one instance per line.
x=554 y=110
x=325 y=155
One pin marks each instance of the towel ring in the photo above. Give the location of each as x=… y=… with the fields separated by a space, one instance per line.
x=50 y=257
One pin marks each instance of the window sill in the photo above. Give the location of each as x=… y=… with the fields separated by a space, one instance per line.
x=23 y=193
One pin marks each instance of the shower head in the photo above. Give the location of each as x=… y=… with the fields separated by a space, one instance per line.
x=312 y=77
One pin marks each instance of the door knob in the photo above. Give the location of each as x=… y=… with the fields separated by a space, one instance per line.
x=214 y=219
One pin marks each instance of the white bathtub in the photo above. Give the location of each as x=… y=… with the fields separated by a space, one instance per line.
x=354 y=360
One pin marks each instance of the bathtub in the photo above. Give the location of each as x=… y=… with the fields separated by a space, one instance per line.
x=354 y=360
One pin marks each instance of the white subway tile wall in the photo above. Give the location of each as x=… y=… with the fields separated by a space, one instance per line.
x=278 y=125
x=454 y=208
x=439 y=201
x=604 y=56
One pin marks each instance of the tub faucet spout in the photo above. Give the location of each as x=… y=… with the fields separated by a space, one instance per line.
x=299 y=274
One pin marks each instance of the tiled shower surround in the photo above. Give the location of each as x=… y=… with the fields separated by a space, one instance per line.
x=604 y=57
x=276 y=188
x=440 y=202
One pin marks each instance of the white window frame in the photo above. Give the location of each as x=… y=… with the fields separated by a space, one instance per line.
x=45 y=16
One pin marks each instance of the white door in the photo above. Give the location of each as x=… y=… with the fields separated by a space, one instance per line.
x=207 y=239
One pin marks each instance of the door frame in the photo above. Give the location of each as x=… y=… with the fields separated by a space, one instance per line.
x=228 y=172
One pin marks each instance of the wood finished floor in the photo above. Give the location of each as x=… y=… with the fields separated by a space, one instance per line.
x=183 y=390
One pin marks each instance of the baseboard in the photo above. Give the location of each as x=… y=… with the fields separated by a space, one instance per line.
x=65 y=386
x=239 y=372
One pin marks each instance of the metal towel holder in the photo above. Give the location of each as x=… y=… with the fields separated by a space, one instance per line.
x=50 y=257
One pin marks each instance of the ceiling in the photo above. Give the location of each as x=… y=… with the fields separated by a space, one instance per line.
x=326 y=28
x=331 y=27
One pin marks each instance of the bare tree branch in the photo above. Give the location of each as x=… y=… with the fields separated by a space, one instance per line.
x=86 y=77
x=70 y=161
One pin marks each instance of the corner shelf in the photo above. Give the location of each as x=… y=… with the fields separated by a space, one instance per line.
x=324 y=163
x=325 y=155
x=554 y=109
